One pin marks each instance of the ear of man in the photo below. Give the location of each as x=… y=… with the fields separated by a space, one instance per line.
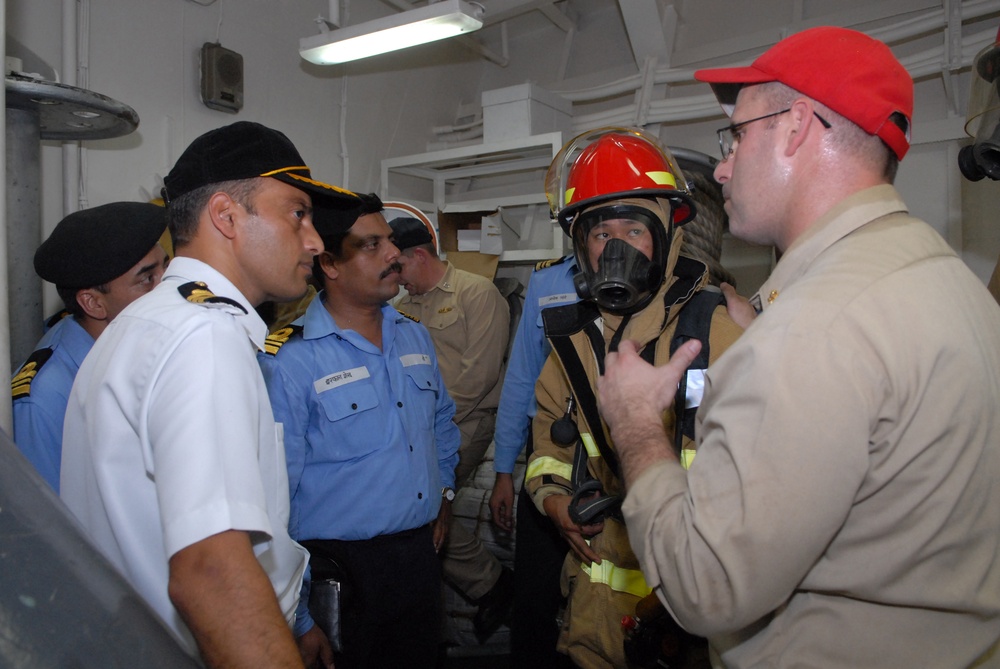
x=328 y=264
x=91 y=301
x=801 y=114
x=222 y=210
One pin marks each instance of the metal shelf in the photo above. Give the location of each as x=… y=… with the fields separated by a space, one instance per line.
x=484 y=177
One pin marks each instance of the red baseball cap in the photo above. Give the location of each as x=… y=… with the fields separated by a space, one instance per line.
x=851 y=73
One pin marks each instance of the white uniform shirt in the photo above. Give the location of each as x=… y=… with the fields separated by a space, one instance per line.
x=169 y=439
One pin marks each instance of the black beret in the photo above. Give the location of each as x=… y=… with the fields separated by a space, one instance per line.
x=329 y=221
x=408 y=232
x=245 y=150
x=94 y=246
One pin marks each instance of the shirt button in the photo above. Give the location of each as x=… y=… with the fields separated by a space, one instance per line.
x=411 y=448
x=399 y=404
x=420 y=495
x=354 y=406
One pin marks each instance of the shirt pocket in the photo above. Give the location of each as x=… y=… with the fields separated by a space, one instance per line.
x=442 y=320
x=351 y=421
x=422 y=392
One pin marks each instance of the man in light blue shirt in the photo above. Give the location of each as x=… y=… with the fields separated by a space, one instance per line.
x=539 y=550
x=100 y=259
x=370 y=445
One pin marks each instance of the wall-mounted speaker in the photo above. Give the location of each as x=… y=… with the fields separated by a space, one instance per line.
x=221 y=78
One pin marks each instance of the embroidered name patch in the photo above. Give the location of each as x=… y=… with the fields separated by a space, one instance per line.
x=555 y=299
x=340 y=378
x=415 y=359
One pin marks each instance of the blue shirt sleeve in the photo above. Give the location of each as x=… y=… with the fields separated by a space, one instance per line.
x=446 y=434
x=527 y=357
x=38 y=434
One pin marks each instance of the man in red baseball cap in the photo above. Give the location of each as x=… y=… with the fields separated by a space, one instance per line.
x=844 y=507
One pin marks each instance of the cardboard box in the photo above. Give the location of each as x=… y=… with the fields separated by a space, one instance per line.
x=522 y=111
x=455 y=232
x=477 y=263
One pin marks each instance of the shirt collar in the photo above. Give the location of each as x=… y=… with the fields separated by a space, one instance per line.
x=190 y=269
x=447 y=282
x=848 y=215
x=318 y=323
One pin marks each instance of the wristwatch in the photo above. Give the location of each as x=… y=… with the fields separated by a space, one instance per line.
x=448 y=494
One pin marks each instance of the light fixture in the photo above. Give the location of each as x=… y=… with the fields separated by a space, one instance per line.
x=437 y=20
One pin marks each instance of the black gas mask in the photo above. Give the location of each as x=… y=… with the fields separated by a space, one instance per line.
x=624 y=279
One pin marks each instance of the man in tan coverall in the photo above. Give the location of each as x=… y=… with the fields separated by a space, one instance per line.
x=621 y=199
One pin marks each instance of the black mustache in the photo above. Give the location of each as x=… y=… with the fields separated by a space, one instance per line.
x=394 y=267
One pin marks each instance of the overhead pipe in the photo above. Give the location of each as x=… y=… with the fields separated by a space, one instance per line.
x=6 y=408
x=689 y=108
x=68 y=76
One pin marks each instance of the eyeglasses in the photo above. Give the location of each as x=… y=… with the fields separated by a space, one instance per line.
x=730 y=135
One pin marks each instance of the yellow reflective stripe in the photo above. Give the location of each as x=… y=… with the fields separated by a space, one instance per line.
x=547 y=465
x=588 y=443
x=662 y=178
x=616 y=578
x=687 y=457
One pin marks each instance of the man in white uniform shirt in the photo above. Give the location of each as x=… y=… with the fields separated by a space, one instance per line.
x=171 y=458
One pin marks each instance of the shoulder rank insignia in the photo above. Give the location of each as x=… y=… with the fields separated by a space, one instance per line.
x=550 y=263
x=20 y=385
x=55 y=318
x=198 y=293
x=406 y=315
x=279 y=338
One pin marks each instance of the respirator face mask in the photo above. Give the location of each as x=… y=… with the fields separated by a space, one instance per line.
x=623 y=277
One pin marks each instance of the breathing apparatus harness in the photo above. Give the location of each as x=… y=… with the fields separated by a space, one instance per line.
x=590 y=504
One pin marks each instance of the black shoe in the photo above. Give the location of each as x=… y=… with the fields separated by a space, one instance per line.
x=495 y=606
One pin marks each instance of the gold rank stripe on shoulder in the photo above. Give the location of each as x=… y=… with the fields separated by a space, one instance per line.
x=549 y=263
x=198 y=293
x=55 y=318
x=20 y=385
x=410 y=316
x=279 y=338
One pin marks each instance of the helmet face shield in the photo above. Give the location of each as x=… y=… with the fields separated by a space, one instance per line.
x=621 y=250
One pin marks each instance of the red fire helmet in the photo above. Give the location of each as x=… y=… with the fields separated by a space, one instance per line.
x=613 y=163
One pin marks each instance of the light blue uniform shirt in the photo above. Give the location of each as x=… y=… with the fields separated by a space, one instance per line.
x=369 y=437
x=39 y=415
x=548 y=287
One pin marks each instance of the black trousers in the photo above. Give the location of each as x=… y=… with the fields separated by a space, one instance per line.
x=392 y=608
x=539 y=551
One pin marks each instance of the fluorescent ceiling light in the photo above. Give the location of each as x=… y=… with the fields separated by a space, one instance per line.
x=435 y=21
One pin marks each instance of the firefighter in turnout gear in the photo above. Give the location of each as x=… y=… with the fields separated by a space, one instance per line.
x=621 y=198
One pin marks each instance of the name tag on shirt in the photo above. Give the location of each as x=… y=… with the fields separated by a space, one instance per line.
x=415 y=359
x=338 y=379
x=549 y=300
